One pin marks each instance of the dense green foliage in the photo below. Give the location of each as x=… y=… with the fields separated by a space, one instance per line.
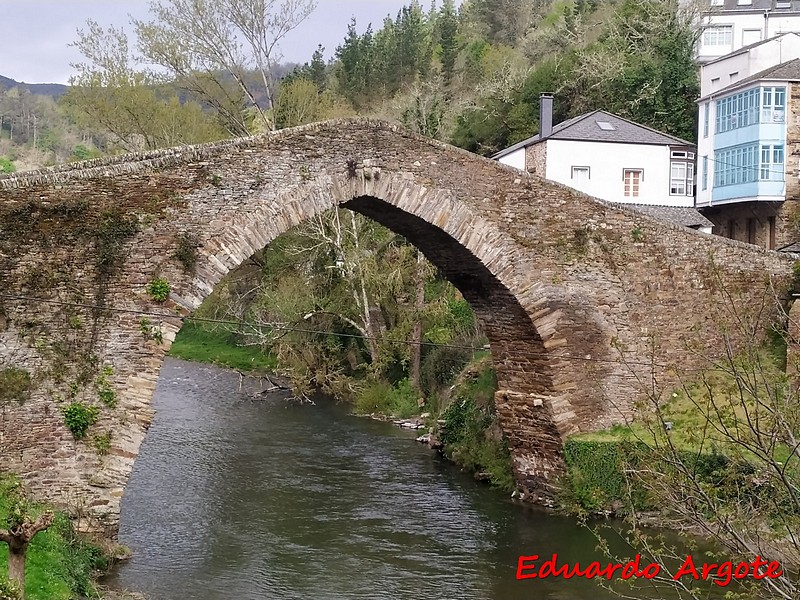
x=158 y=290
x=60 y=564
x=471 y=435
x=399 y=400
x=595 y=481
x=348 y=307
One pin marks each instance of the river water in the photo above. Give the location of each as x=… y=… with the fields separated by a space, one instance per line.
x=240 y=499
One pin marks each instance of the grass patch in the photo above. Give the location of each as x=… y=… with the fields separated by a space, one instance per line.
x=220 y=346
x=381 y=397
x=692 y=418
x=60 y=565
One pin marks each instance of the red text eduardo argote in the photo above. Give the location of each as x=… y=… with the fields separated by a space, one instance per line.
x=532 y=567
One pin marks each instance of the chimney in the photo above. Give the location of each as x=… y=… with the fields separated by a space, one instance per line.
x=545 y=116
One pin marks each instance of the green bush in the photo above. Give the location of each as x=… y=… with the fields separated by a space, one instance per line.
x=82 y=152
x=471 y=435
x=79 y=558
x=382 y=398
x=158 y=290
x=441 y=366
x=595 y=473
x=78 y=417
x=186 y=251
x=60 y=564
x=6 y=165
x=102 y=443
x=105 y=389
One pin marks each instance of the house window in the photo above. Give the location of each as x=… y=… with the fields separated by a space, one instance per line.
x=705 y=173
x=736 y=165
x=681 y=178
x=632 y=179
x=771 y=163
x=773 y=104
x=745 y=164
x=732 y=229
x=721 y=35
x=580 y=175
x=750 y=36
x=706 y=117
x=751 y=231
x=739 y=110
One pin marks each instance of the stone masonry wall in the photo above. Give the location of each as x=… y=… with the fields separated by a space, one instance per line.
x=576 y=296
x=536 y=159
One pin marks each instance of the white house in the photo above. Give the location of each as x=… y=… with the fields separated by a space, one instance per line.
x=729 y=25
x=724 y=71
x=614 y=159
x=746 y=132
x=608 y=157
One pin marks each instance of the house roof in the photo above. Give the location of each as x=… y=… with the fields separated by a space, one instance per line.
x=748 y=47
x=795 y=248
x=678 y=215
x=601 y=126
x=788 y=71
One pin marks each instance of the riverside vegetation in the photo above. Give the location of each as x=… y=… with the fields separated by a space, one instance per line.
x=60 y=564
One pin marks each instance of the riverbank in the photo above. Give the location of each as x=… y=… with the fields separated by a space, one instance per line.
x=60 y=564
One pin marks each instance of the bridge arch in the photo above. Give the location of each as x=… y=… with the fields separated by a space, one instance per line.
x=474 y=256
x=556 y=278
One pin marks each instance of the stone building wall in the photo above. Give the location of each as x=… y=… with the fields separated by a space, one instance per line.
x=536 y=159
x=575 y=296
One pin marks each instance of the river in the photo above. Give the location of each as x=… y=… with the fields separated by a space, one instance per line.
x=240 y=499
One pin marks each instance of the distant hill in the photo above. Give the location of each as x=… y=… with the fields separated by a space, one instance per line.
x=43 y=89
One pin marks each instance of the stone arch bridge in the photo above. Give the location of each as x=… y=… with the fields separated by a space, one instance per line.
x=564 y=285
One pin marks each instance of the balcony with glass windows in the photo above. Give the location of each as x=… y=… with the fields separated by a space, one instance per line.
x=749 y=172
x=749 y=116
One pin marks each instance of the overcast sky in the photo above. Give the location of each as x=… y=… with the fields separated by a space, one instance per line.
x=34 y=34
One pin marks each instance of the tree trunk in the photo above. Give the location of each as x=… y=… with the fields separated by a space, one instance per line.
x=16 y=565
x=18 y=539
x=416 y=336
